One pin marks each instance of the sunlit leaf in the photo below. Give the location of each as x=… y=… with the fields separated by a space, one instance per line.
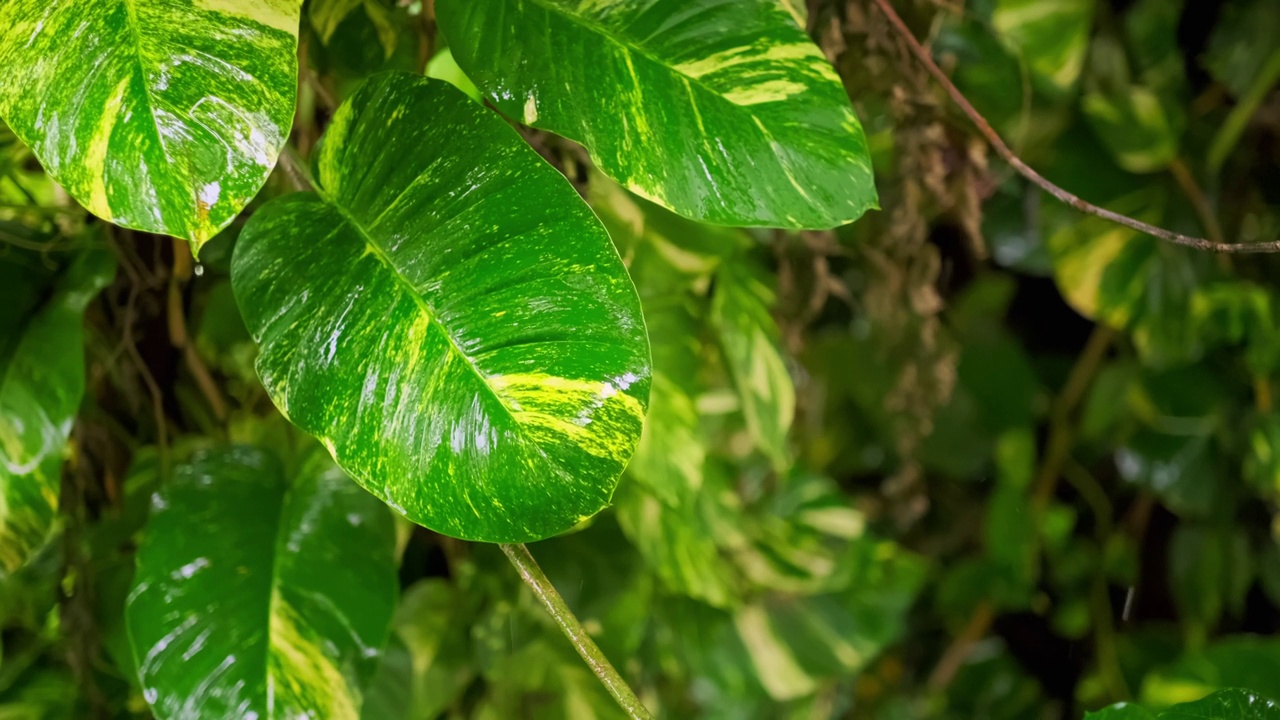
x=449 y=318
x=261 y=595
x=158 y=116
x=721 y=111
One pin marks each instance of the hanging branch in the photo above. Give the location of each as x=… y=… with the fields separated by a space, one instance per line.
x=1026 y=171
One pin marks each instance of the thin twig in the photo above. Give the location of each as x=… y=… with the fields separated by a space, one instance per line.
x=953 y=659
x=1026 y=171
x=1199 y=201
x=1061 y=435
x=546 y=593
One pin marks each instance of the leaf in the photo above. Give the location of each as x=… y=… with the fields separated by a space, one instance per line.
x=449 y=318
x=259 y=595
x=671 y=454
x=1130 y=281
x=1051 y=36
x=1122 y=711
x=677 y=544
x=1210 y=572
x=327 y=15
x=1135 y=127
x=42 y=377
x=1242 y=44
x=1224 y=705
x=723 y=111
x=164 y=117
x=428 y=661
x=444 y=67
x=751 y=343
x=1244 y=661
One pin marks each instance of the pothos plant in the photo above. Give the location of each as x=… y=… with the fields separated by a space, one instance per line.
x=441 y=309
x=437 y=306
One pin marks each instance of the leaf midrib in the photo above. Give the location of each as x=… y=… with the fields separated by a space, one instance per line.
x=136 y=35
x=633 y=48
x=377 y=250
x=277 y=549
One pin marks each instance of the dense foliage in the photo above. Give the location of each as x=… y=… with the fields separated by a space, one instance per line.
x=812 y=408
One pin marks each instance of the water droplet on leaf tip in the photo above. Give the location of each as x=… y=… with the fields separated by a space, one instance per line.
x=198 y=270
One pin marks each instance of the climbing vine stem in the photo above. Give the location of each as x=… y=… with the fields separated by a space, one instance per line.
x=537 y=581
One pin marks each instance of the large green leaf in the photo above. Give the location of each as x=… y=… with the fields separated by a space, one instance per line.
x=261 y=596
x=41 y=384
x=449 y=318
x=722 y=110
x=159 y=116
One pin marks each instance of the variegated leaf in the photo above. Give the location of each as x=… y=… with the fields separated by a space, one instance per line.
x=159 y=115
x=260 y=596
x=750 y=339
x=41 y=383
x=449 y=318
x=722 y=110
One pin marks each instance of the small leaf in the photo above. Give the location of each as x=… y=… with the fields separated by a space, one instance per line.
x=449 y=318
x=722 y=111
x=158 y=116
x=261 y=596
x=41 y=384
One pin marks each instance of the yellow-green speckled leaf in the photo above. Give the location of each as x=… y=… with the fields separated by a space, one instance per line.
x=41 y=384
x=750 y=338
x=722 y=110
x=449 y=317
x=159 y=115
x=259 y=595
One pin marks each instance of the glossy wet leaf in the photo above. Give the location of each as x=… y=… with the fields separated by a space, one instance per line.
x=42 y=380
x=449 y=318
x=1242 y=661
x=158 y=116
x=722 y=110
x=1224 y=705
x=261 y=595
x=751 y=342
